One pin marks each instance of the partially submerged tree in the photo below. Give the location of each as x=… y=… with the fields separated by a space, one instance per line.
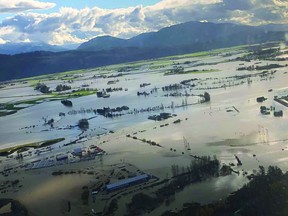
x=207 y=97
x=83 y=124
x=43 y=88
x=61 y=87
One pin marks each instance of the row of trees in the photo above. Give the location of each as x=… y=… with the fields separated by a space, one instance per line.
x=202 y=167
x=198 y=170
x=45 y=89
x=266 y=194
x=61 y=87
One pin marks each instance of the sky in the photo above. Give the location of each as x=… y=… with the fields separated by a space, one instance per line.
x=62 y=22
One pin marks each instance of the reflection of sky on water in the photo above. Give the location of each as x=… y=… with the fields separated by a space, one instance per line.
x=207 y=123
x=209 y=128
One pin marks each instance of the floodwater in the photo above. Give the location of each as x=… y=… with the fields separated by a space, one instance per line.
x=231 y=124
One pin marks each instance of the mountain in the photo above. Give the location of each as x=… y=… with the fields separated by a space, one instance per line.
x=223 y=34
x=71 y=46
x=276 y=27
x=102 y=43
x=16 y=48
x=178 y=39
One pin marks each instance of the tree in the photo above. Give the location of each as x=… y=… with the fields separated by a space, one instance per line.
x=61 y=87
x=43 y=88
x=83 y=124
x=85 y=196
x=261 y=171
x=175 y=170
x=274 y=171
x=206 y=97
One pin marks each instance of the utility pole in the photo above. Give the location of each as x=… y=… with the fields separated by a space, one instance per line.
x=186 y=144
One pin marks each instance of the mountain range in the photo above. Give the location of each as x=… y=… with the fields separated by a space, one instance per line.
x=17 y=48
x=189 y=33
x=177 y=39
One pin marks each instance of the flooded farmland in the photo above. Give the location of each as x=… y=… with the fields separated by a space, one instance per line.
x=131 y=136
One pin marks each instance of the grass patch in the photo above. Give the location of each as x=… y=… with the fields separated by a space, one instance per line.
x=9 y=109
x=32 y=101
x=202 y=71
x=155 y=67
x=35 y=145
x=82 y=93
x=10 y=106
x=3 y=113
x=191 y=72
x=74 y=94
x=190 y=55
x=34 y=80
x=151 y=63
x=166 y=61
x=52 y=76
x=33 y=83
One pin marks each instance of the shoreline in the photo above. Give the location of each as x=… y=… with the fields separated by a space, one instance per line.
x=25 y=147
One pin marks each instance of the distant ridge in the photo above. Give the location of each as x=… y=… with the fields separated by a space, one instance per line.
x=102 y=43
x=178 y=39
x=17 y=48
x=226 y=34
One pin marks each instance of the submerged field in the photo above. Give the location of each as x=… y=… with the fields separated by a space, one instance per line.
x=229 y=126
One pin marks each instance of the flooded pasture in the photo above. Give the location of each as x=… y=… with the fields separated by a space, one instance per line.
x=229 y=125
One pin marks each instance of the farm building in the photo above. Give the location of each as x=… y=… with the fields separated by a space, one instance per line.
x=77 y=152
x=61 y=157
x=127 y=182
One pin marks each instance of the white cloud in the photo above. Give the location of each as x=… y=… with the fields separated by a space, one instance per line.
x=6 y=30
x=242 y=17
x=70 y=25
x=6 y=33
x=2 y=41
x=165 y=4
x=14 y=6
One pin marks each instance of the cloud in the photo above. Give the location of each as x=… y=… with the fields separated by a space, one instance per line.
x=15 y=6
x=2 y=41
x=168 y=4
x=6 y=34
x=70 y=25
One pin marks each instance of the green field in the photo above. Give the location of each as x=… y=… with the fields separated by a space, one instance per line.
x=35 y=145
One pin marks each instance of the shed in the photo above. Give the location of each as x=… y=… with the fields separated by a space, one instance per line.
x=61 y=157
x=127 y=182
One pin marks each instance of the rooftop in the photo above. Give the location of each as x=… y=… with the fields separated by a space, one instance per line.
x=127 y=181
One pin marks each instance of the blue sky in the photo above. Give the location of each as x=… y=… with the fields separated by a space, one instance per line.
x=63 y=22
